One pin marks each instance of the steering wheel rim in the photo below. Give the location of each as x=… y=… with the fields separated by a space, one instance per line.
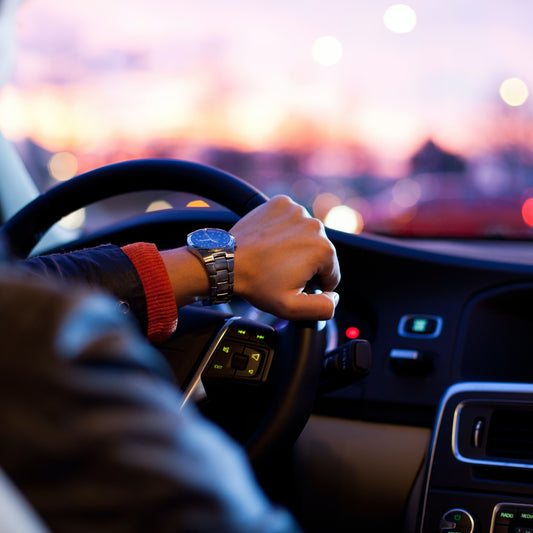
x=24 y=230
x=292 y=404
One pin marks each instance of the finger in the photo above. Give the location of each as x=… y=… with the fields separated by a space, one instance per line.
x=329 y=273
x=318 y=306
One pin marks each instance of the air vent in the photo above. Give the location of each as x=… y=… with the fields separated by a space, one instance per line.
x=510 y=434
x=494 y=429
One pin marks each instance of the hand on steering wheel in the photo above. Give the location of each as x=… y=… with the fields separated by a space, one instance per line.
x=296 y=368
x=279 y=249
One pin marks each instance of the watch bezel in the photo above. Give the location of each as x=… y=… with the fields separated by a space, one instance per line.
x=195 y=241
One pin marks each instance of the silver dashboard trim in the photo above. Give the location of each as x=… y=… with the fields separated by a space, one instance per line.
x=485 y=462
x=404 y=355
x=195 y=390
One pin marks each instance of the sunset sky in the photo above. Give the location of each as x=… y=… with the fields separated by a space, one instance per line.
x=249 y=75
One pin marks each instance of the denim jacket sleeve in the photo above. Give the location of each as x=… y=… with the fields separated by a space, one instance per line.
x=105 y=267
x=93 y=433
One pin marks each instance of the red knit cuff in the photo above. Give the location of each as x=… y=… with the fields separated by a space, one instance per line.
x=160 y=301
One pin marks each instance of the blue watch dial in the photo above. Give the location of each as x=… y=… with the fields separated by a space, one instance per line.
x=210 y=238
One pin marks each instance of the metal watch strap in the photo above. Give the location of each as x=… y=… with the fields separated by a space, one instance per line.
x=219 y=266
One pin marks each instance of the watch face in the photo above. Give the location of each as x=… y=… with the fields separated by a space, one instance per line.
x=209 y=238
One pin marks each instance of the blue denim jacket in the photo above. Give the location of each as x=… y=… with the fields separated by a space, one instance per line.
x=91 y=429
x=104 y=267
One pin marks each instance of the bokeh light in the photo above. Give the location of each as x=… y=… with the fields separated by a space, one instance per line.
x=304 y=191
x=400 y=18
x=198 y=203
x=324 y=203
x=74 y=221
x=514 y=92
x=344 y=218
x=63 y=166
x=406 y=192
x=211 y=93
x=527 y=211
x=327 y=50
x=158 y=205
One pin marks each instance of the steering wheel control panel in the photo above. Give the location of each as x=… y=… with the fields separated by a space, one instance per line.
x=243 y=352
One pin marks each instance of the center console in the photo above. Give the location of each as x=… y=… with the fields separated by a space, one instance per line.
x=480 y=470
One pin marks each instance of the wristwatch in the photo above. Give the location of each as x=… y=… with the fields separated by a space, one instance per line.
x=215 y=247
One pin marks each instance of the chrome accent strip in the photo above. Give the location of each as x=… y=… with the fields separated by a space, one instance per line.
x=404 y=355
x=486 y=462
x=195 y=390
x=478 y=432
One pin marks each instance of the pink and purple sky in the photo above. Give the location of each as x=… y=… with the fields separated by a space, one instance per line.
x=240 y=73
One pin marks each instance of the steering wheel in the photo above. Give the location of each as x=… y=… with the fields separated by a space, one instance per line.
x=295 y=369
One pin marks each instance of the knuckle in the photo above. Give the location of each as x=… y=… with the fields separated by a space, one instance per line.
x=281 y=200
x=323 y=244
x=315 y=225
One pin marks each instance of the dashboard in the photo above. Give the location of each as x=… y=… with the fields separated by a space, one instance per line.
x=449 y=324
x=433 y=318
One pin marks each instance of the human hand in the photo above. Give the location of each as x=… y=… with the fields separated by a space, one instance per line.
x=280 y=247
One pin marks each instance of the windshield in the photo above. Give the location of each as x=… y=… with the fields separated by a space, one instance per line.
x=410 y=120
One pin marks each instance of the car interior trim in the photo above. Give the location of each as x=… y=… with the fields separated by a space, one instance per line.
x=195 y=390
x=484 y=393
x=476 y=435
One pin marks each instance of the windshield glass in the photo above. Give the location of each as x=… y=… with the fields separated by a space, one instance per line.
x=409 y=120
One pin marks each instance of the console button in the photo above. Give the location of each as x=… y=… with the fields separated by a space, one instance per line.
x=525 y=516
x=252 y=331
x=255 y=359
x=221 y=364
x=457 y=521
x=239 y=332
x=265 y=335
x=505 y=515
x=420 y=326
x=239 y=361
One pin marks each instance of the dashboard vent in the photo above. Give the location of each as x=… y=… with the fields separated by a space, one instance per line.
x=510 y=434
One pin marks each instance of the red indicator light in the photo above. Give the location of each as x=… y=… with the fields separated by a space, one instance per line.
x=352 y=332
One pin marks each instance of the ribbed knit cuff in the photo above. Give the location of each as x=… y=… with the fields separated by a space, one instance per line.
x=160 y=301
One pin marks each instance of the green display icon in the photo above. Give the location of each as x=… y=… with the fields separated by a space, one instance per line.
x=420 y=325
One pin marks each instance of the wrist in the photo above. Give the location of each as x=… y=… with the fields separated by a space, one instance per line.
x=187 y=275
